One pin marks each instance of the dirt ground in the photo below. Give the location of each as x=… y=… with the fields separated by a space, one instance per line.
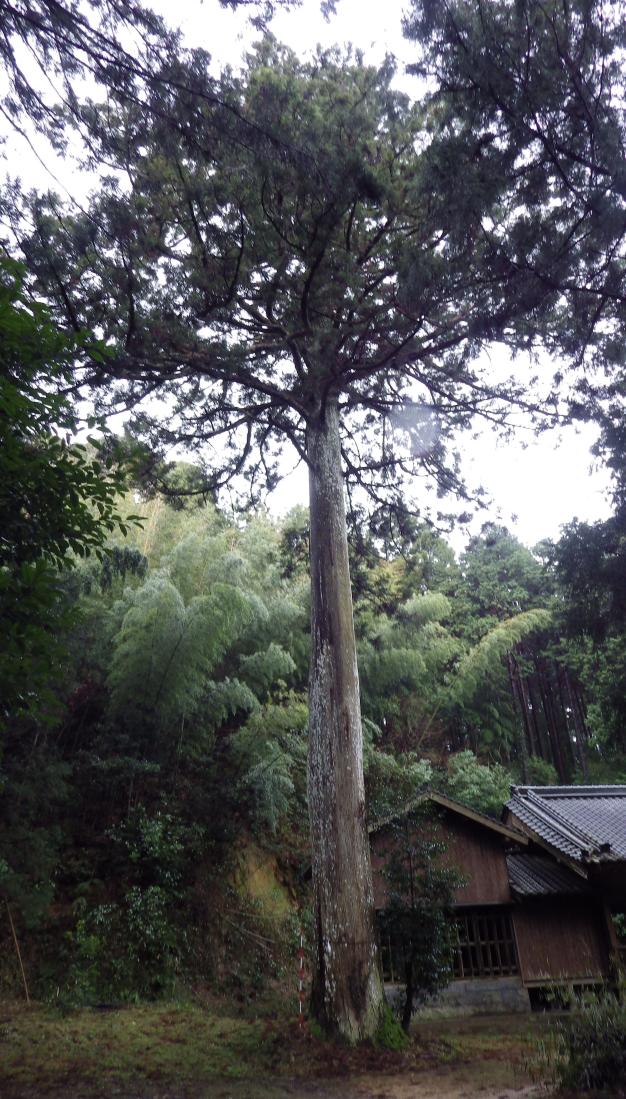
x=453 y=1084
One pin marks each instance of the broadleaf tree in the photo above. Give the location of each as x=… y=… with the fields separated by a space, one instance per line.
x=326 y=284
x=58 y=500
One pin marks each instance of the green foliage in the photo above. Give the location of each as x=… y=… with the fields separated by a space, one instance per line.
x=294 y=543
x=420 y=610
x=178 y=733
x=437 y=669
x=270 y=751
x=392 y=781
x=154 y=845
x=419 y=908
x=120 y=562
x=501 y=579
x=478 y=785
x=266 y=670
x=541 y=772
x=403 y=662
x=520 y=83
x=483 y=664
x=57 y=499
x=34 y=799
x=603 y=670
x=587 y=1050
x=165 y=652
x=124 y=950
x=133 y=946
x=589 y=562
x=33 y=617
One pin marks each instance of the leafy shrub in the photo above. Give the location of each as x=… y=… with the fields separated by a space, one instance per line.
x=541 y=772
x=483 y=787
x=131 y=946
x=270 y=752
x=417 y=918
x=125 y=950
x=588 y=1051
x=392 y=782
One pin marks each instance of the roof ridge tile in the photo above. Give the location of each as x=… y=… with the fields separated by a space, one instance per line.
x=571 y=833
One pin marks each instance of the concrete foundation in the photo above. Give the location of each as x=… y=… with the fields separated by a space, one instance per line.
x=485 y=996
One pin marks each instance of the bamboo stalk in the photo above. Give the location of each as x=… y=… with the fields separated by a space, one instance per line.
x=261 y=939
x=18 y=952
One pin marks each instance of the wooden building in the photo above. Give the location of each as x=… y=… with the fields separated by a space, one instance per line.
x=584 y=827
x=583 y=830
x=528 y=917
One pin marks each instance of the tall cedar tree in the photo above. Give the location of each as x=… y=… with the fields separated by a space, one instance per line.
x=318 y=276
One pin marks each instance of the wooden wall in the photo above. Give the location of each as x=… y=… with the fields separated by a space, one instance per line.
x=561 y=940
x=474 y=849
x=557 y=939
x=480 y=856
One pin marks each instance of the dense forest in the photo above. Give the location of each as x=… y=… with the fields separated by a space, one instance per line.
x=173 y=732
x=279 y=261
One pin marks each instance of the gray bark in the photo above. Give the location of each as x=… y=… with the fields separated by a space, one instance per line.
x=347 y=989
x=523 y=738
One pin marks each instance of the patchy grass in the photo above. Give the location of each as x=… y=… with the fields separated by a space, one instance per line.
x=119 y=1051
x=211 y=1049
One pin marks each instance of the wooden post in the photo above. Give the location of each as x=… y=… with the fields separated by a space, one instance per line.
x=615 y=955
x=18 y=952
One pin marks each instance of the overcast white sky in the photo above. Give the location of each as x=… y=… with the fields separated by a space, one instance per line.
x=545 y=482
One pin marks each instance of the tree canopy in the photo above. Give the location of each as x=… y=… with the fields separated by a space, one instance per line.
x=538 y=86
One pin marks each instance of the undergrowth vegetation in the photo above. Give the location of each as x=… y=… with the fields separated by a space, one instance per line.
x=585 y=1052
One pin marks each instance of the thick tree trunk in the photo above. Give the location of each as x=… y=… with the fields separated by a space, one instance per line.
x=347 y=988
x=545 y=690
x=523 y=737
x=578 y=717
x=409 y=993
x=536 y=745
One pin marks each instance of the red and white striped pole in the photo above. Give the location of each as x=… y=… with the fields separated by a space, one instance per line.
x=301 y=992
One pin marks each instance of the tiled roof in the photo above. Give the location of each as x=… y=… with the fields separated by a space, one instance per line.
x=587 y=823
x=538 y=876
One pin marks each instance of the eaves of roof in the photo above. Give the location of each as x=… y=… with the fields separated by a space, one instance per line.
x=457 y=807
x=536 y=808
x=532 y=875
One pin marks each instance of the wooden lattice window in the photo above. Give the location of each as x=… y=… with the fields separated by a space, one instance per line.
x=486 y=945
x=391 y=957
